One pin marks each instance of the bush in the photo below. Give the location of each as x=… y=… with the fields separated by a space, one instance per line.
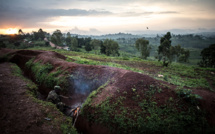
x=208 y=57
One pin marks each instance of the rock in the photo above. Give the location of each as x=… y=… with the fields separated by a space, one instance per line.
x=160 y=76
x=48 y=119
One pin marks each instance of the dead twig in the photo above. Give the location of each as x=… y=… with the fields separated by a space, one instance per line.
x=76 y=116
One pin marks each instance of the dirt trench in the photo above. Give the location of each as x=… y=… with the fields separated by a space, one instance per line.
x=19 y=114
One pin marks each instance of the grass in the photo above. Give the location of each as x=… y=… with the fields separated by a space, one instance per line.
x=187 y=76
x=81 y=60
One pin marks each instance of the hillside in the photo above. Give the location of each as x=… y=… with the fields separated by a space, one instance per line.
x=127 y=95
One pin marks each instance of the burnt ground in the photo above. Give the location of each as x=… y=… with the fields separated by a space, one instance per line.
x=18 y=112
x=120 y=81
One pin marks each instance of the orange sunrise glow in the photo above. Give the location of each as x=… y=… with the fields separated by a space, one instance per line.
x=12 y=31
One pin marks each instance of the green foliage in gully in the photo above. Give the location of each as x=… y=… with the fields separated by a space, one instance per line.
x=44 y=76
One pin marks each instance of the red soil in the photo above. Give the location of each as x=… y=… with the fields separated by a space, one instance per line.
x=18 y=113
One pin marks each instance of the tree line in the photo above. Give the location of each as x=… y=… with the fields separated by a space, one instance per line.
x=166 y=52
x=108 y=47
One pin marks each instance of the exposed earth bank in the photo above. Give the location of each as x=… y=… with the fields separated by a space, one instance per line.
x=18 y=112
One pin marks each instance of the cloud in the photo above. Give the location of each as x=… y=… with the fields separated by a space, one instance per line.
x=134 y=14
x=76 y=30
x=168 y=12
x=31 y=16
x=109 y=15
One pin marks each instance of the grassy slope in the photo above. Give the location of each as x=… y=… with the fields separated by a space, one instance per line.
x=177 y=74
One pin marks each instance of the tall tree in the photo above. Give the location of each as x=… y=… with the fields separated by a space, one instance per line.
x=41 y=34
x=81 y=42
x=56 y=38
x=88 y=47
x=20 y=32
x=110 y=47
x=96 y=44
x=74 y=44
x=164 y=49
x=208 y=57
x=68 y=39
x=184 y=55
x=143 y=46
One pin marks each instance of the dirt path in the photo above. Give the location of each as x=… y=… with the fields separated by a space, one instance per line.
x=52 y=44
x=18 y=113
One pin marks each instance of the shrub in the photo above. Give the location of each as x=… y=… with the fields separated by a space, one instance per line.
x=187 y=95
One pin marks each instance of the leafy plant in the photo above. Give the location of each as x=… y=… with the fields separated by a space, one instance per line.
x=165 y=78
x=187 y=94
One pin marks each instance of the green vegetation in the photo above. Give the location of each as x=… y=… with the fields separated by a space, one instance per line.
x=45 y=76
x=110 y=47
x=187 y=94
x=143 y=46
x=189 y=76
x=40 y=35
x=56 y=37
x=208 y=57
x=167 y=52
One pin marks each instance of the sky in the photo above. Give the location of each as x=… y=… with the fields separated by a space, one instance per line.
x=108 y=16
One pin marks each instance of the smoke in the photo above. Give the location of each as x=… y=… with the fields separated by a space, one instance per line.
x=83 y=86
x=85 y=80
x=88 y=78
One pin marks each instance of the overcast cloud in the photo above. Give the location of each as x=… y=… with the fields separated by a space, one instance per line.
x=107 y=15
